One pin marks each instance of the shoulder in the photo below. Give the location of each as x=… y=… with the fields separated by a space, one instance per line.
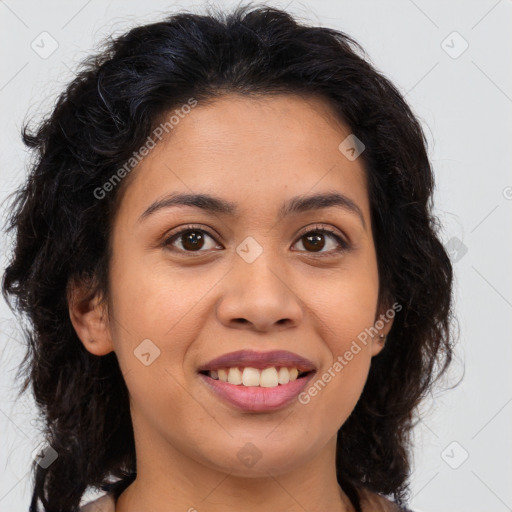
x=373 y=502
x=105 y=503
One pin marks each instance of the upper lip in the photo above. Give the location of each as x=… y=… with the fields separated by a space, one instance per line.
x=260 y=360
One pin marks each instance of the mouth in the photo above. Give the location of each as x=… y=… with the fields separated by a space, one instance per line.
x=249 y=376
x=257 y=382
x=257 y=398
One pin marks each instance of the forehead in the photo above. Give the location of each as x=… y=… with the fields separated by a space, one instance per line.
x=253 y=150
x=279 y=123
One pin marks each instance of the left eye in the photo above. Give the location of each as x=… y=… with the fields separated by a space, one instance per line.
x=315 y=240
x=194 y=239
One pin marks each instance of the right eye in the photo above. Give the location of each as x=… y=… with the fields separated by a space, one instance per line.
x=191 y=239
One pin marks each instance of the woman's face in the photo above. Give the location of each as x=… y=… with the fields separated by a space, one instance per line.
x=262 y=277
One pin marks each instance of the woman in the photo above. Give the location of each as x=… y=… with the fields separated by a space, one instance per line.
x=227 y=252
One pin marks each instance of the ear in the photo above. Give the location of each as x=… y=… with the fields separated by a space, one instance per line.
x=383 y=323
x=89 y=316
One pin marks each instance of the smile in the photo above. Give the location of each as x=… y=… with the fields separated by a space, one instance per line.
x=255 y=390
x=252 y=377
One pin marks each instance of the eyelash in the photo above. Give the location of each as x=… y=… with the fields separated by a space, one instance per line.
x=344 y=246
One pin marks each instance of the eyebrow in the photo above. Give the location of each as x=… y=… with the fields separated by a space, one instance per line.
x=295 y=205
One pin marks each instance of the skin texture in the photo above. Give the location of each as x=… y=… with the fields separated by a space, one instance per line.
x=195 y=306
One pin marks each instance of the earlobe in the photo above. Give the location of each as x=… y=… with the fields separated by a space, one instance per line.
x=89 y=318
x=383 y=324
x=378 y=344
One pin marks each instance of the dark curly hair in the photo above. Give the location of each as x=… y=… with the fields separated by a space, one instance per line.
x=62 y=233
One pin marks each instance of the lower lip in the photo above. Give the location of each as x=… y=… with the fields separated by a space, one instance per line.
x=255 y=398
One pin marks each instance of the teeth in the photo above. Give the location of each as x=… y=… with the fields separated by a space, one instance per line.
x=283 y=376
x=235 y=376
x=294 y=373
x=248 y=376
x=251 y=377
x=268 y=378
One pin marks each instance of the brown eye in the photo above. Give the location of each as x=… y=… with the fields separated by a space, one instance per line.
x=195 y=240
x=190 y=240
x=316 y=240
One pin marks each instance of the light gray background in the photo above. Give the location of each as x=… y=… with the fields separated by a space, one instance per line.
x=464 y=104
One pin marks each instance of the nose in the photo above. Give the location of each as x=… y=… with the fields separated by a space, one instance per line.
x=258 y=296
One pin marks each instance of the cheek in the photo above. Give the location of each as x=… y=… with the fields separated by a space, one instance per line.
x=156 y=317
x=346 y=311
x=154 y=302
x=346 y=306
x=333 y=393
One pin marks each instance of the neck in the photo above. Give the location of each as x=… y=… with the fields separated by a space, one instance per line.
x=168 y=481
